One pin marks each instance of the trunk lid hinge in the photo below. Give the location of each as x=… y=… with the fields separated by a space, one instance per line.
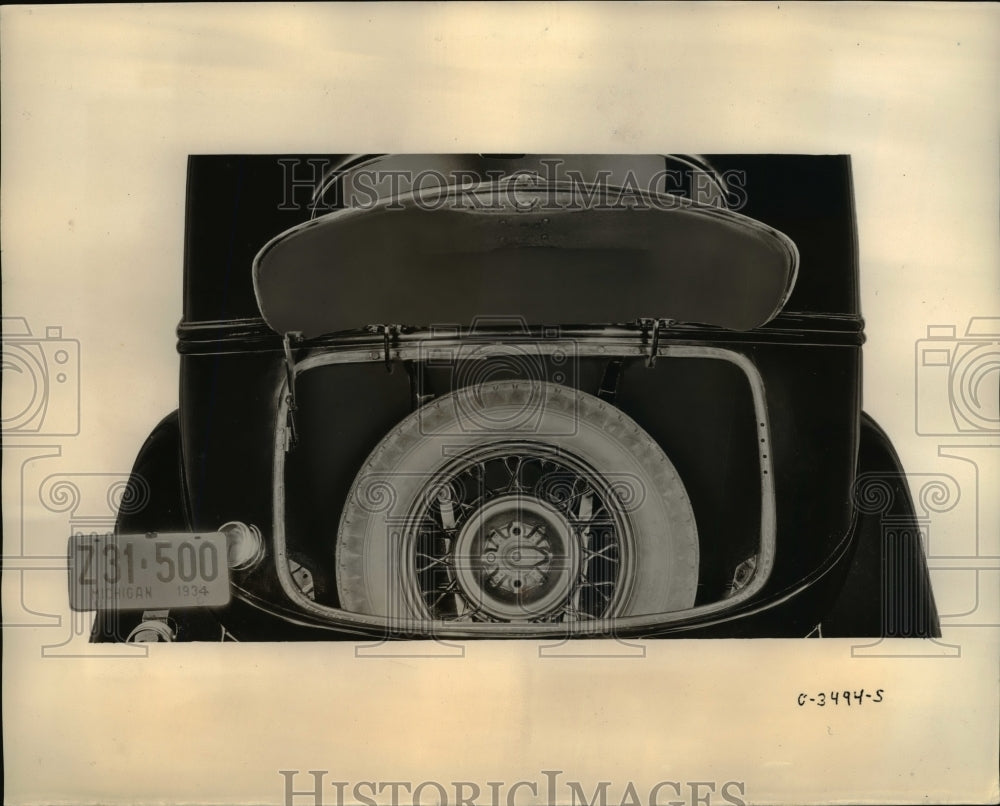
x=653 y=327
x=291 y=434
x=390 y=333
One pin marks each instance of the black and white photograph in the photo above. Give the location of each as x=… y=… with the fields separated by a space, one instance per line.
x=384 y=384
x=435 y=408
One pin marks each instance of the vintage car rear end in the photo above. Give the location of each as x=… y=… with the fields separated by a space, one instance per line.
x=528 y=396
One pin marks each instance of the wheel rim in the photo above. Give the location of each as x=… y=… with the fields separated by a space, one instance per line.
x=518 y=531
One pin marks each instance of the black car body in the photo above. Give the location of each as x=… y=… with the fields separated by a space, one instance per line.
x=540 y=396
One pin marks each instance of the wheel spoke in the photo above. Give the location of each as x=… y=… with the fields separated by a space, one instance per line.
x=583 y=514
x=470 y=612
x=445 y=560
x=531 y=481
x=515 y=484
x=450 y=588
x=601 y=554
x=573 y=613
x=600 y=593
x=573 y=498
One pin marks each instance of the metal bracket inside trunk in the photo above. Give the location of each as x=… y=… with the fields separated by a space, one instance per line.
x=286 y=342
x=656 y=326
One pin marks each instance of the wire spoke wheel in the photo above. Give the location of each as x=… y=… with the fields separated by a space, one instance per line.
x=514 y=532
x=517 y=502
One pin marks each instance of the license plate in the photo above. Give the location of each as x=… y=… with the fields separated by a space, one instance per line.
x=148 y=572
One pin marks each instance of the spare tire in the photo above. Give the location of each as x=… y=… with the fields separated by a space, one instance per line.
x=517 y=501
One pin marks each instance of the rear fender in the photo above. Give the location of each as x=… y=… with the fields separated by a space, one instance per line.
x=160 y=504
x=887 y=590
x=158 y=472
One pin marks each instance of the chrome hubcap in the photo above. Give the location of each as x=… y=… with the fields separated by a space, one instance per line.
x=517 y=558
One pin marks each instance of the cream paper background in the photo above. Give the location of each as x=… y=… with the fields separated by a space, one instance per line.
x=101 y=106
